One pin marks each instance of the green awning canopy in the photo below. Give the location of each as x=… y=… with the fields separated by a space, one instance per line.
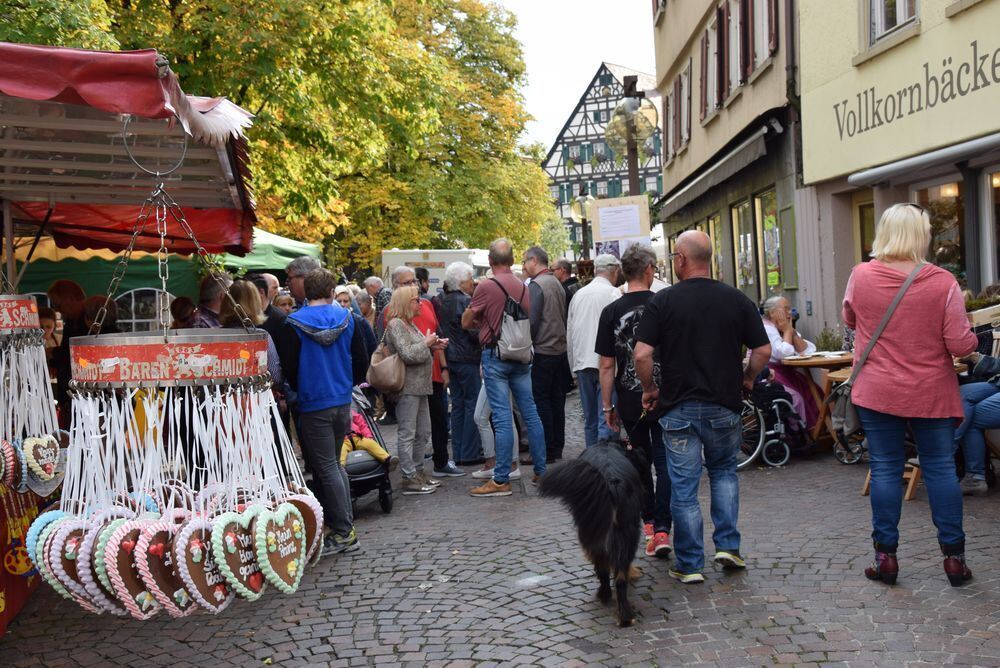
x=271 y=253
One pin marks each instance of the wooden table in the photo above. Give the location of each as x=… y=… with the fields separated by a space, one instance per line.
x=828 y=365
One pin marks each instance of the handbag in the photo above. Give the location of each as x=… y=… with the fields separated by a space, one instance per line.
x=843 y=413
x=387 y=371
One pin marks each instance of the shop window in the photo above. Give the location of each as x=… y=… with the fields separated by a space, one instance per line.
x=888 y=15
x=866 y=222
x=745 y=250
x=139 y=310
x=715 y=233
x=944 y=206
x=769 y=242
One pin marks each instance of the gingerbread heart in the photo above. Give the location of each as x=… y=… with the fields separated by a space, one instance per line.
x=154 y=557
x=197 y=568
x=42 y=521
x=63 y=552
x=123 y=572
x=280 y=537
x=10 y=463
x=42 y=456
x=45 y=566
x=85 y=565
x=312 y=516
x=234 y=547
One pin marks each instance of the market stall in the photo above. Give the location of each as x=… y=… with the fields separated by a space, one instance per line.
x=84 y=138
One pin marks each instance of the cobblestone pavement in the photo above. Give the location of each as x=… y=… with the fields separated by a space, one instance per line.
x=451 y=580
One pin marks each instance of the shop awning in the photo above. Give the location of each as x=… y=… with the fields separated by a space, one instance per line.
x=271 y=252
x=723 y=168
x=63 y=161
x=943 y=156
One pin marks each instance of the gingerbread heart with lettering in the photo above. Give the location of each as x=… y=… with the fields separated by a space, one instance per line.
x=45 y=566
x=63 y=554
x=197 y=567
x=234 y=547
x=86 y=564
x=280 y=537
x=154 y=557
x=119 y=560
x=42 y=456
x=312 y=516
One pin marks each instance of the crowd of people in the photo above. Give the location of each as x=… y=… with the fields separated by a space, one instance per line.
x=661 y=369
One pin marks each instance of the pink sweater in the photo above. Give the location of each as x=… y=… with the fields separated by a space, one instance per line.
x=910 y=372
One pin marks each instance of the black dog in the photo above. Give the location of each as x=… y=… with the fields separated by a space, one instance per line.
x=603 y=492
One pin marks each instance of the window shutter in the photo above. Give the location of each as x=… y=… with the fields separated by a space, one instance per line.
x=746 y=39
x=565 y=153
x=656 y=7
x=665 y=116
x=677 y=113
x=724 y=47
x=704 y=76
x=687 y=112
x=772 y=26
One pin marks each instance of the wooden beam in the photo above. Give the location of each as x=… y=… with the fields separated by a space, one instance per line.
x=146 y=181
x=102 y=196
x=116 y=167
x=93 y=125
x=74 y=148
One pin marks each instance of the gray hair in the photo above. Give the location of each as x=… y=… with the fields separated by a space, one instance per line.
x=564 y=264
x=501 y=253
x=399 y=271
x=537 y=253
x=302 y=266
x=636 y=259
x=456 y=273
x=363 y=298
x=211 y=289
x=373 y=280
x=770 y=304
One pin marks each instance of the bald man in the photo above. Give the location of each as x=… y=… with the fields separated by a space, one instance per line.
x=699 y=327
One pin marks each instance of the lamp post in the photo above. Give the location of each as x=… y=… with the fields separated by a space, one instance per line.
x=581 y=211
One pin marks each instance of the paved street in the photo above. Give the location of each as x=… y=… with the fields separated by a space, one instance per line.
x=452 y=580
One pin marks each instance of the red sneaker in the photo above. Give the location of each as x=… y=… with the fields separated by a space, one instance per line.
x=647 y=530
x=658 y=545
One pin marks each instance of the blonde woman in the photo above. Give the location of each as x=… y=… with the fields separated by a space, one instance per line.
x=909 y=380
x=247 y=296
x=416 y=349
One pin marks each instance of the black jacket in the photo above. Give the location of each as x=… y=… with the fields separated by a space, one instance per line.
x=463 y=345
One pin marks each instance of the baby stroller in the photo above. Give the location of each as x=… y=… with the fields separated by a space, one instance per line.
x=784 y=432
x=364 y=471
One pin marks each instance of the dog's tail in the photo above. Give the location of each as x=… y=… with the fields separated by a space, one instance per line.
x=585 y=491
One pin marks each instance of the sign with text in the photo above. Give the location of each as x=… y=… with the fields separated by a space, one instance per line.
x=619 y=223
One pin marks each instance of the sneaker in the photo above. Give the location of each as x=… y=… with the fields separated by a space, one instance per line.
x=687 y=578
x=647 y=530
x=429 y=482
x=535 y=478
x=412 y=486
x=731 y=559
x=392 y=463
x=486 y=474
x=491 y=488
x=658 y=545
x=974 y=486
x=515 y=475
x=449 y=470
x=334 y=544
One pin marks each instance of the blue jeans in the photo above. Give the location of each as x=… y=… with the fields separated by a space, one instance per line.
x=502 y=379
x=696 y=433
x=594 y=426
x=464 y=391
x=936 y=448
x=981 y=404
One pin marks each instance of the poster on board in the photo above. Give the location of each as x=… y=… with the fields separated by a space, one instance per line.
x=619 y=223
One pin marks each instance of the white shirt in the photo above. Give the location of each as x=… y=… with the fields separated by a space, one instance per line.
x=780 y=349
x=656 y=286
x=581 y=326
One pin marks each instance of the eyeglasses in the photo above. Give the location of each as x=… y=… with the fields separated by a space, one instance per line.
x=410 y=282
x=674 y=254
x=917 y=207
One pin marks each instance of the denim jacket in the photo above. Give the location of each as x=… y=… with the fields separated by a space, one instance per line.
x=987 y=366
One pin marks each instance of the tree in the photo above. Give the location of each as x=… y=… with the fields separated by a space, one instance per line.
x=553 y=236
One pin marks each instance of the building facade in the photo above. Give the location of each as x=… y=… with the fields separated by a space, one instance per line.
x=726 y=72
x=580 y=159
x=899 y=101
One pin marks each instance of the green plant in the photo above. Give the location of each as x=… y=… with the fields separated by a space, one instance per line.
x=829 y=339
x=976 y=304
x=570 y=164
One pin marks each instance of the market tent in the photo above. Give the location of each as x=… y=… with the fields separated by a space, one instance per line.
x=64 y=164
x=271 y=252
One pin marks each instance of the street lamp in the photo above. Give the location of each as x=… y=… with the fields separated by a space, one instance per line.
x=579 y=211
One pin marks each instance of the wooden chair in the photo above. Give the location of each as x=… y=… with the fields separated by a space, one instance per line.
x=911 y=476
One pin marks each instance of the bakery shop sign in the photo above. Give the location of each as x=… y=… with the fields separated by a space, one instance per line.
x=977 y=69
x=18 y=313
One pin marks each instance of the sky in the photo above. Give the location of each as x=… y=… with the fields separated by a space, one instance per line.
x=565 y=42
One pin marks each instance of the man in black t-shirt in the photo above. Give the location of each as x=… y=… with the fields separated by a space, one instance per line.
x=615 y=343
x=700 y=327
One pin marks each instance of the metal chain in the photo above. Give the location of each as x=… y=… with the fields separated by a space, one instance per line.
x=6 y=287
x=122 y=266
x=162 y=267
x=210 y=266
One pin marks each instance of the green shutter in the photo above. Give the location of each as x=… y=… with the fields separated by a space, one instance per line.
x=659 y=184
x=565 y=153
